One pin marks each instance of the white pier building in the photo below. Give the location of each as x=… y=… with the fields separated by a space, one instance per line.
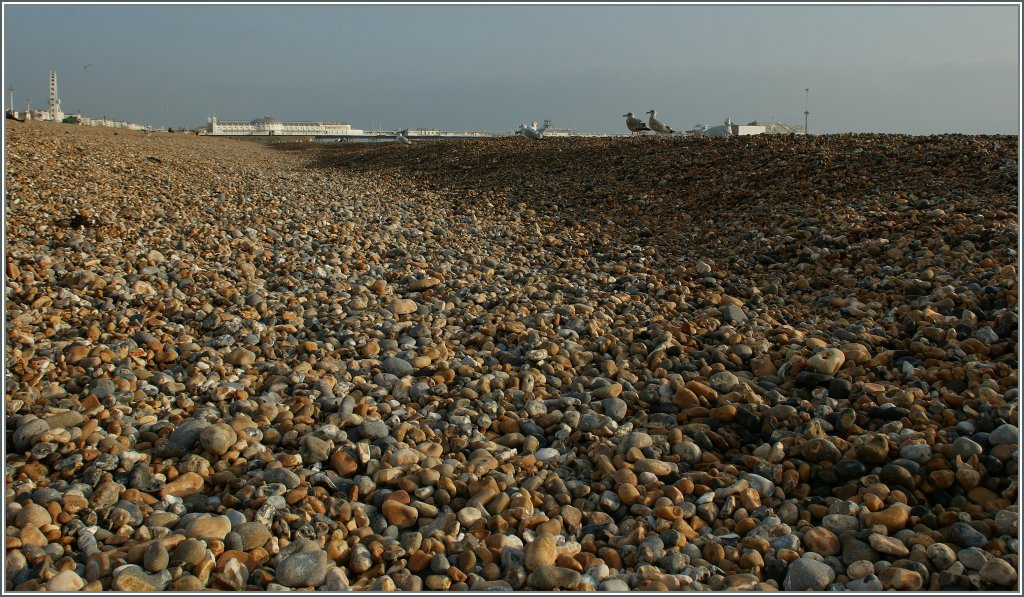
x=271 y=126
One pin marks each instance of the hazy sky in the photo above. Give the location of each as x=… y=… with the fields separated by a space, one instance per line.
x=891 y=69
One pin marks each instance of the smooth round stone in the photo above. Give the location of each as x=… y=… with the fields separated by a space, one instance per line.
x=403 y=306
x=966 y=447
x=30 y=535
x=27 y=432
x=155 y=557
x=826 y=362
x=235 y=517
x=860 y=569
x=920 y=453
x=854 y=550
x=723 y=382
x=999 y=572
x=805 y=574
x=1007 y=522
x=209 y=527
x=616 y=585
x=189 y=551
x=373 y=429
x=656 y=467
x=315 y=449
x=305 y=569
x=105 y=495
x=336 y=581
x=187 y=434
x=900 y=579
x=973 y=558
x=821 y=450
x=875 y=451
x=733 y=314
x=869 y=582
x=217 y=438
x=360 y=559
x=396 y=366
x=888 y=545
x=964 y=534
x=187 y=583
x=32 y=514
x=554 y=577
x=423 y=283
x=691 y=453
x=102 y=388
x=399 y=514
x=541 y=552
x=404 y=457
x=281 y=475
x=133 y=578
x=233 y=542
x=850 y=469
x=67 y=581
x=893 y=474
x=894 y=517
x=762 y=486
x=615 y=408
x=840 y=523
x=252 y=534
x=469 y=515
x=941 y=555
x=1004 y=434
x=44 y=495
x=546 y=455
x=822 y=541
x=635 y=439
x=185 y=485
x=607 y=392
x=241 y=357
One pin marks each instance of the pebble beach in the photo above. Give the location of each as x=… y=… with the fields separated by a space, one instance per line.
x=689 y=364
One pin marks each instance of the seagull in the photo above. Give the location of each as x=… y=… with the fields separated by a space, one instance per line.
x=659 y=126
x=532 y=132
x=635 y=125
x=402 y=138
x=86 y=67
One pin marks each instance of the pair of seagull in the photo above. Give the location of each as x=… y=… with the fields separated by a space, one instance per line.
x=531 y=132
x=635 y=125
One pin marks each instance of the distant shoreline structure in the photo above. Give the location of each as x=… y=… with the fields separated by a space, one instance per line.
x=270 y=126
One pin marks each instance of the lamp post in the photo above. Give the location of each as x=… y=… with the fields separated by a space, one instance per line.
x=806 y=113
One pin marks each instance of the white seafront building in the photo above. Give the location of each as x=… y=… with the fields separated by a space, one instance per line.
x=270 y=126
x=111 y=123
x=730 y=129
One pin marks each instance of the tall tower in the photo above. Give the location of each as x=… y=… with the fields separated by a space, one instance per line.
x=55 y=111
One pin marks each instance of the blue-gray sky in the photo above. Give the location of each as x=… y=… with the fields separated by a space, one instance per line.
x=921 y=69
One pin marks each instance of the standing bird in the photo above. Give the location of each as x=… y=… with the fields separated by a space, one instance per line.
x=531 y=132
x=401 y=138
x=659 y=126
x=635 y=125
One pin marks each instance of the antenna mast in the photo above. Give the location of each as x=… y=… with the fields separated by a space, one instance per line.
x=806 y=113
